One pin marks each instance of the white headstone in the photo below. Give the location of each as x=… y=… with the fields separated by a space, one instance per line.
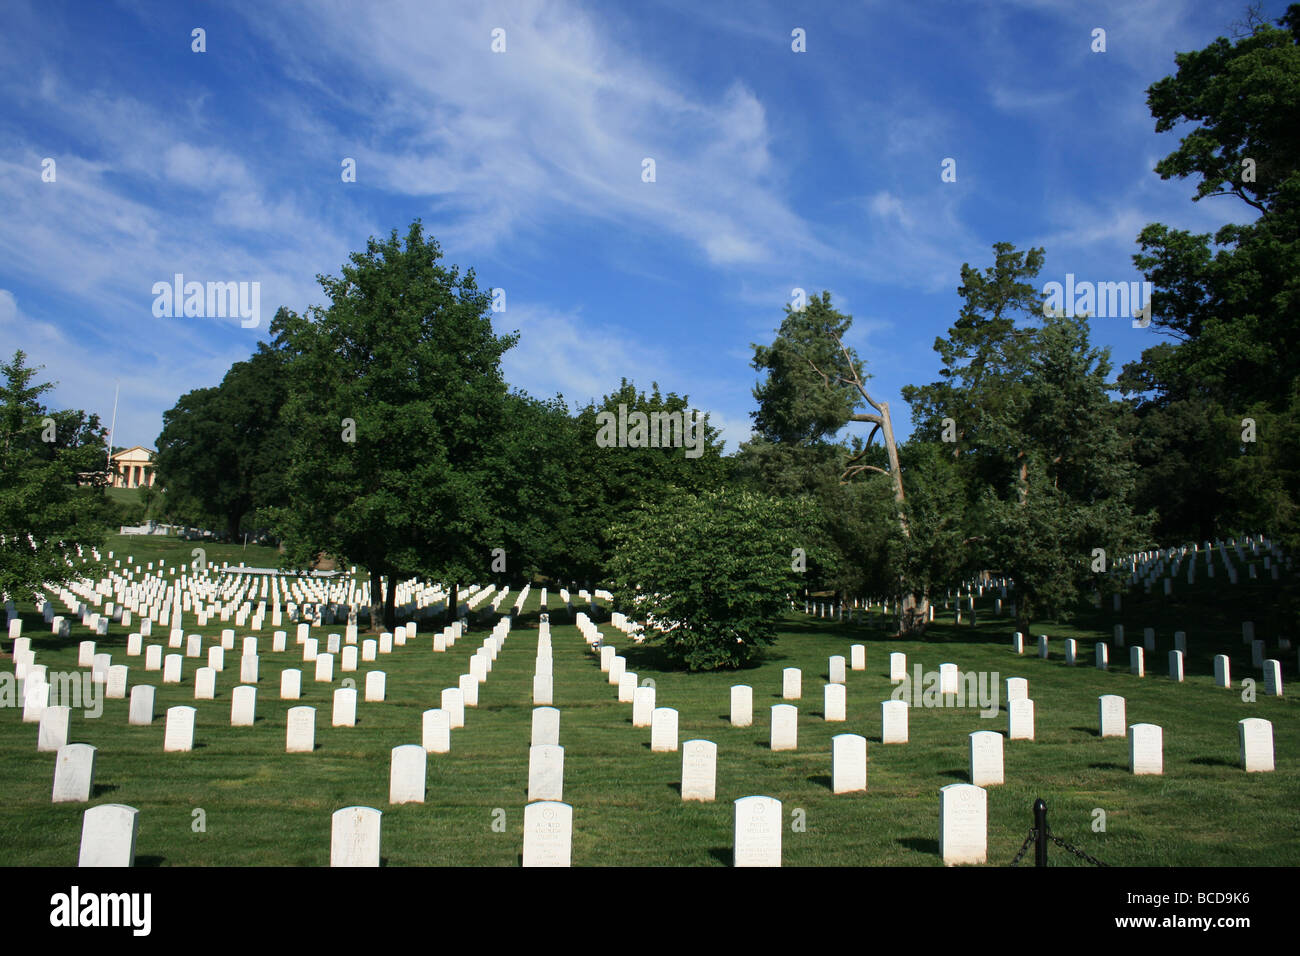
x=407 y=774
x=699 y=770
x=548 y=834
x=663 y=729
x=108 y=834
x=345 y=707
x=324 y=668
x=546 y=727
x=1071 y=651
x=453 y=702
x=1256 y=737
x=243 y=706
x=290 y=684
x=1042 y=646
x=217 y=658
x=369 y=649
x=469 y=690
x=1112 y=718
x=1136 y=661
x=742 y=705
x=785 y=727
x=893 y=721
x=848 y=763
x=178 y=735
x=300 y=733
x=791 y=683
x=1273 y=678
x=248 y=669
x=1146 y=749
x=1020 y=719
x=1176 y=666
x=626 y=688
x=205 y=684
x=376 y=687
x=835 y=702
x=643 y=706
x=115 y=687
x=986 y=765
x=437 y=731
x=758 y=831
x=1103 y=656
x=543 y=688
x=897 y=667
x=836 y=670
x=52 y=735
x=963 y=824
x=141 y=708
x=858 y=657
x=1222 y=671
x=949 y=679
x=354 y=837
x=545 y=772
x=172 y=669
x=1017 y=688
x=349 y=662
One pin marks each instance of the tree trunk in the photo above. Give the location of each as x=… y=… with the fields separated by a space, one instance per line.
x=452 y=600
x=376 y=596
x=390 y=603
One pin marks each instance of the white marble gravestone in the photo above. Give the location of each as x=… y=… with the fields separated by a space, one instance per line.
x=52 y=735
x=835 y=702
x=217 y=658
x=178 y=734
x=300 y=731
x=453 y=702
x=848 y=763
x=243 y=706
x=108 y=834
x=963 y=824
x=1136 y=661
x=1017 y=688
x=1111 y=715
x=1273 y=677
x=1176 y=666
x=785 y=727
x=74 y=774
x=1255 y=735
x=699 y=770
x=407 y=774
x=248 y=666
x=115 y=687
x=1042 y=646
x=324 y=668
x=858 y=657
x=348 y=664
x=791 y=683
x=141 y=707
x=626 y=688
x=545 y=772
x=742 y=705
x=663 y=729
x=1102 y=652
x=376 y=687
x=893 y=721
x=1018 y=642
x=897 y=667
x=345 y=707
x=1020 y=719
x=354 y=837
x=369 y=649
x=173 y=671
x=1222 y=671
x=290 y=684
x=1146 y=749
x=543 y=689
x=758 y=832
x=548 y=834
x=469 y=689
x=836 y=669
x=643 y=706
x=546 y=727
x=1071 y=651
x=986 y=764
x=949 y=679
x=205 y=684
x=437 y=731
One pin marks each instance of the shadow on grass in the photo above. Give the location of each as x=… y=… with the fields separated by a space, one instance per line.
x=150 y=861
x=920 y=844
x=955 y=775
x=1106 y=766
x=102 y=788
x=1213 y=762
x=1088 y=730
x=723 y=854
x=821 y=779
x=675 y=788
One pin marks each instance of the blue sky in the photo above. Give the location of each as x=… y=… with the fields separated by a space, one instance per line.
x=774 y=170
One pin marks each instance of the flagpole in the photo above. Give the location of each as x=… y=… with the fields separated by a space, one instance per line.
x=111 y=428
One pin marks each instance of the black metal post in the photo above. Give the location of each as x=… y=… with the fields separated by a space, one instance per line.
x=1040 y=832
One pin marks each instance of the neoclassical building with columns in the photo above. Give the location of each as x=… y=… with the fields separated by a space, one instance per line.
x=133 y=468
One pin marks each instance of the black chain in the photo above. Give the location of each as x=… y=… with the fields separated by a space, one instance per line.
x=1025 y=846
x=1073 y=849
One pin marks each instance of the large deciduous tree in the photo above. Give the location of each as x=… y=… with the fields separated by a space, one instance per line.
x=397 y=409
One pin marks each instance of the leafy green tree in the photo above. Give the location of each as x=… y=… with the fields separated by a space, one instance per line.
x=397 y=407
x=710 y=575
x=44 y=517
x=223 y=448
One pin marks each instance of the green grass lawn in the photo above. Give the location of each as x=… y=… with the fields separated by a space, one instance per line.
x=265 y=807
